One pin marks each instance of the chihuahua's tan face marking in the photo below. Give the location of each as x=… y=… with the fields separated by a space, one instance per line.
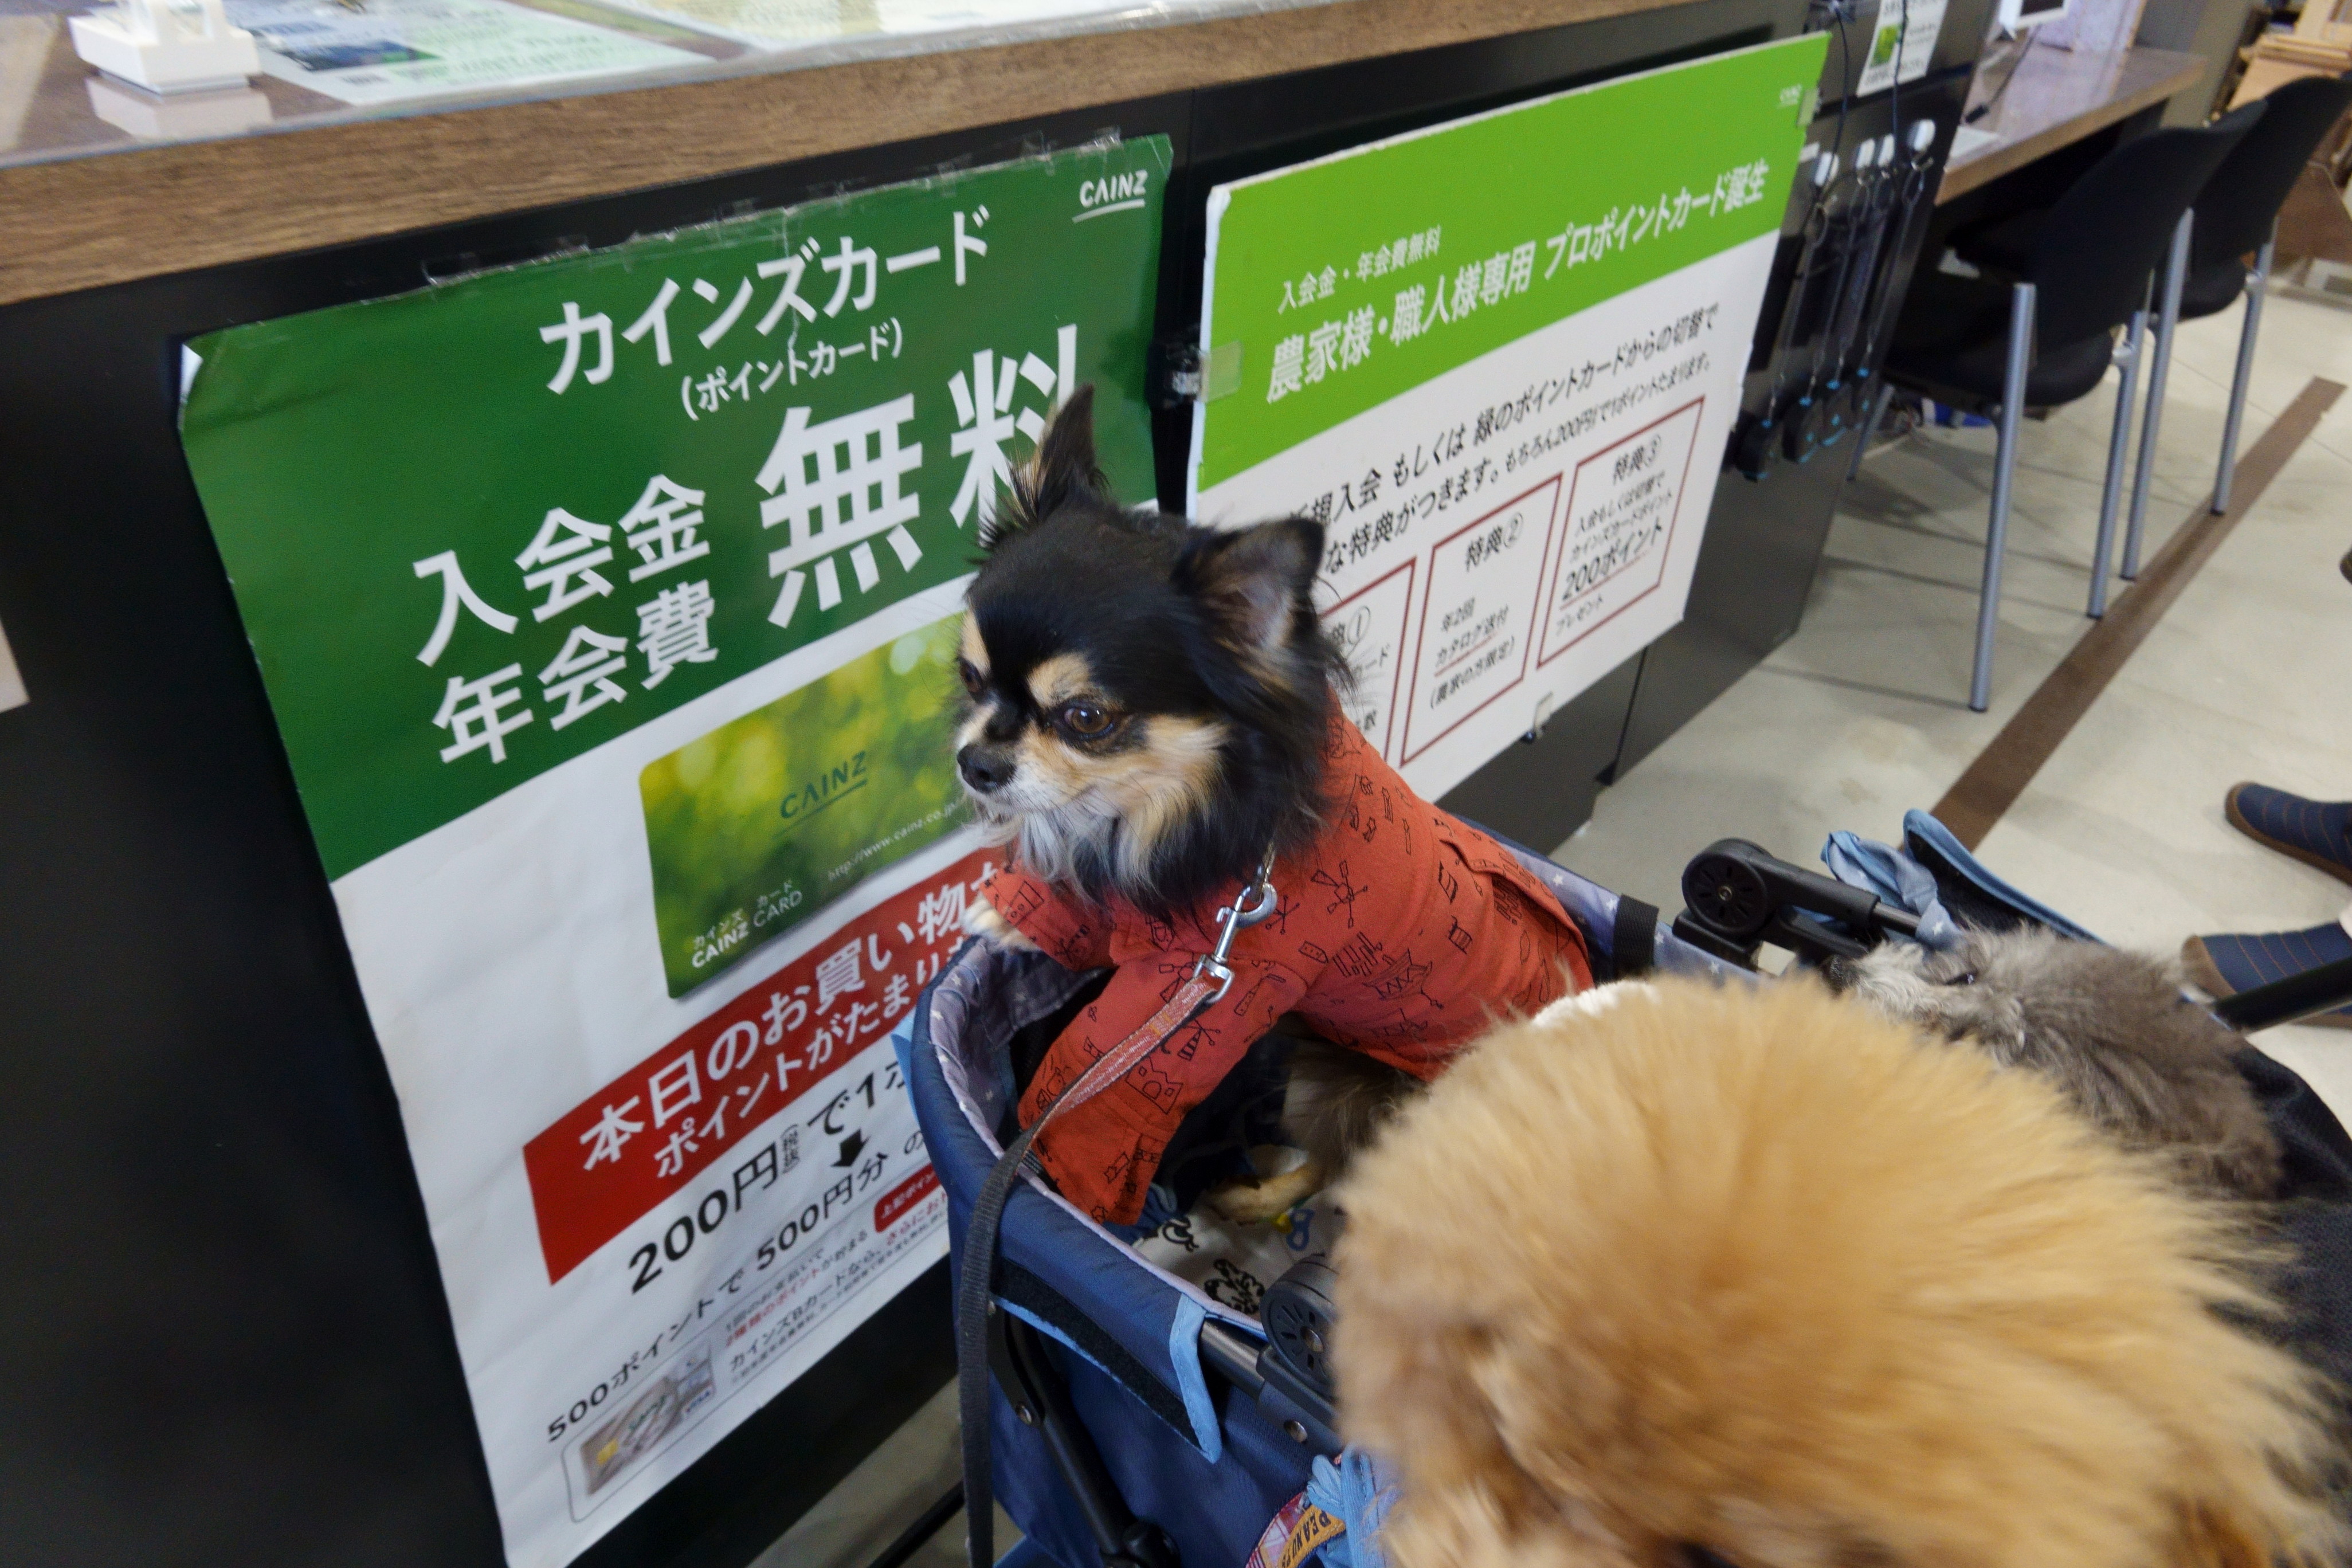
x=1166 y=778
x=1164 y=770
x=1064 y=677
x=1056 y=759
x=1060 y=690
x=972 y=668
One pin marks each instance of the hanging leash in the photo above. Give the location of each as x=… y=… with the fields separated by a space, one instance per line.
x=1212 y=976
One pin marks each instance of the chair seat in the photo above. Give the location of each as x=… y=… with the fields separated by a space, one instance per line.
x=1953 y=346
x=2004 y=246
x=2087 y=261
x=2212 y=287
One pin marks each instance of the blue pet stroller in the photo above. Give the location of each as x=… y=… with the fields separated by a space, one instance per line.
x=1137 y=1420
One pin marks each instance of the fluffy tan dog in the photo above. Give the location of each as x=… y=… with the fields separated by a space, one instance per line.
x=1757 y=1277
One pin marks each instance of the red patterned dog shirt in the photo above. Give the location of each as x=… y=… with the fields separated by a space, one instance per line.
x=1400 y=932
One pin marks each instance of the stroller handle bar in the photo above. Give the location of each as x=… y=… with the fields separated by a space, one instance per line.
x=1234 y=1357
x=1738 y=896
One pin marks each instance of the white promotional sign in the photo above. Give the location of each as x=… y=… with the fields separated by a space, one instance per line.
x=594 y=1388
x=1502 y=373
x=1574 y=547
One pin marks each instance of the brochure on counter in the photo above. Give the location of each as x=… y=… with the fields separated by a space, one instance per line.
x=393 y=50
x=783 y=24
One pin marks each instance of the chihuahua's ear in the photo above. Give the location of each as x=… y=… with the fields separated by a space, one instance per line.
x=1063 y=468
x=1254 y=581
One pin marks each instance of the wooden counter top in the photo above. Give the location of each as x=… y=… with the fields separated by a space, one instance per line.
x=107 y=217
x=2060 y=96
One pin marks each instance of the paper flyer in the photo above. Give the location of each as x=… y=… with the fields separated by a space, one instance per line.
x=1901 y=43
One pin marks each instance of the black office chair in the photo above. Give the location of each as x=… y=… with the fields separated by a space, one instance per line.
x=2237 y=216
x=2037 y=329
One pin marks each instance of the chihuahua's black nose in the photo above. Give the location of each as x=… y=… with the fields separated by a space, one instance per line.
x=986 y=768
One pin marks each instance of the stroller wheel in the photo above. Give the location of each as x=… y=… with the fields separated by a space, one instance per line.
x=1723 y=890
x=1298 y=1314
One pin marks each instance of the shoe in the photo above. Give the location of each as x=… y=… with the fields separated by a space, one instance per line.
x=2316 y=832
x=2225 y=965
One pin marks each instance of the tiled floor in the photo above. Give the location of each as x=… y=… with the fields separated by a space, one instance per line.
x=1863 y=713
x=863 y=1515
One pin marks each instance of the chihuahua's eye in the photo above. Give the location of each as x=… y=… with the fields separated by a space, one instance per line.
x=972 y=680
x=1965 y=977
x=1084 y=720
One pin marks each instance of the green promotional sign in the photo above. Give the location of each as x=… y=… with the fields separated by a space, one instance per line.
x=1337 y=285
x=608 y=608
x=478 y=531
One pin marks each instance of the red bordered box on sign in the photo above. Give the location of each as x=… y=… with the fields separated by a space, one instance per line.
x=1552 y=605
x=1439 y=591
x=651 y=1131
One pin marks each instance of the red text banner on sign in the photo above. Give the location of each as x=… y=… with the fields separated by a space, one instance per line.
x=893 y=1205
x=652 y=1129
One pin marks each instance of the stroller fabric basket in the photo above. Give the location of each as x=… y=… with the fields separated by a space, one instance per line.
x=1207 y=1461
x=1175 y=1455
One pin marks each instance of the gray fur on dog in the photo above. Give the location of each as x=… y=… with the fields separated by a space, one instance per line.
x=2109 y=1026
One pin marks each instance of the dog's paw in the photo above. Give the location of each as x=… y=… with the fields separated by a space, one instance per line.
x=981 y=919
x=1263 y=1202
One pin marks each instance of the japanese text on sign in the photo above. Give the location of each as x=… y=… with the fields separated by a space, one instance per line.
x=1302 y=359
x=834 y=486
x=648 y=1133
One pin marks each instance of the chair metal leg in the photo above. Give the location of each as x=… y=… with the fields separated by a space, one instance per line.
x=2256 y=286
x=2004 y=470
x=2111 y=494
x=2176 y=273
x=1870 y=425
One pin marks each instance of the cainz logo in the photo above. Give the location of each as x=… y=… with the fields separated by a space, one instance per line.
x=813 y=795
x=1120 y=188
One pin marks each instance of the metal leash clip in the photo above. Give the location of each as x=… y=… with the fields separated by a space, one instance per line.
x=1231 y=918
